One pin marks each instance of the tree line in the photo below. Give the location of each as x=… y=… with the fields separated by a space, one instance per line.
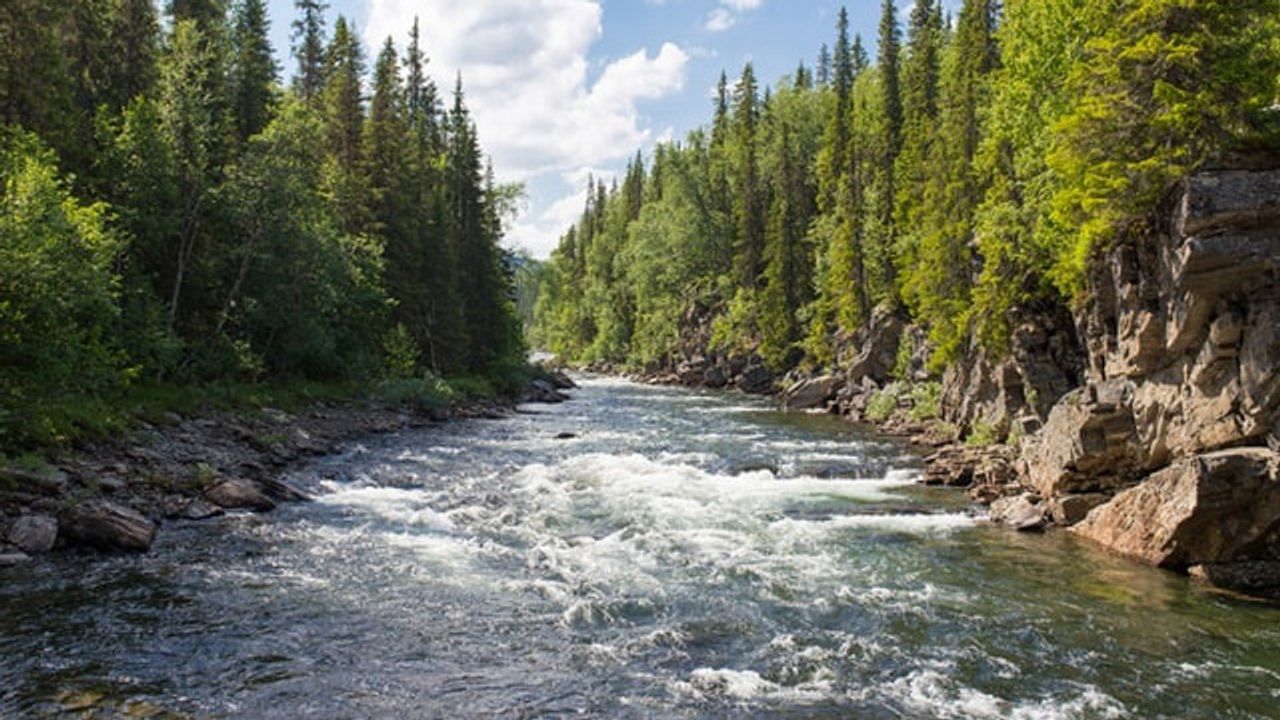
x=173 y=213
x=961 y=177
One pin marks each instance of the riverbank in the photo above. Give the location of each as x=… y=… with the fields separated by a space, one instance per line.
x=113 y=494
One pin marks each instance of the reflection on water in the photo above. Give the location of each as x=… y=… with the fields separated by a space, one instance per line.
x=685 y=555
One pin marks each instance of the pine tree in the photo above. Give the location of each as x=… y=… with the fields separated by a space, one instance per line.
x=748 y=196
x=254 y=73
x=134 y=41
x=309 y=48
x=344 y=118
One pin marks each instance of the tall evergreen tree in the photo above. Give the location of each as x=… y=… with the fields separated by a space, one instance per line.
x=748 y=195
x=309 y=48
x=253 y=72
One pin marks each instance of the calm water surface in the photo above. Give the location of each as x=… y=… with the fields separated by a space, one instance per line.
x=686 y=555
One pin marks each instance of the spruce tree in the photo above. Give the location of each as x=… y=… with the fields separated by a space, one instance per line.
x=748 y=196
x=253 y=71
x=309 y=48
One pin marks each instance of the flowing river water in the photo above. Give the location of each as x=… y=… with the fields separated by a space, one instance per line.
x=684 y=555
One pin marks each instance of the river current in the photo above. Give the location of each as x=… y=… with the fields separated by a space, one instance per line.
x=684 y=554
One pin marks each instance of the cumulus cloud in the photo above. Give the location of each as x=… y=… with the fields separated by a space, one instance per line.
x=723 y=17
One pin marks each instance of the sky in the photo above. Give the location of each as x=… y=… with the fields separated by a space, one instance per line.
x=563 y=90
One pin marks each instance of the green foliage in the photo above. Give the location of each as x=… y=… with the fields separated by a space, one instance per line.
x=883 y=403
x=1161 y=87
x=230 y=233
x=58 y=288
x=983 y=434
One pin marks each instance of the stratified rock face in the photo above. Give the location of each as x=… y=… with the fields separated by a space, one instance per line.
x=106 y=526
x=1180 y=414
x=1213 y=508
x=1043 y=364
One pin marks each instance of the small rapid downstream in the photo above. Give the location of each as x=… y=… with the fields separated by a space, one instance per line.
x=684 y=555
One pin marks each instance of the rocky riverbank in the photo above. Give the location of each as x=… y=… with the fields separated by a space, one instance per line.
x=1147 y=421
x=115 y=495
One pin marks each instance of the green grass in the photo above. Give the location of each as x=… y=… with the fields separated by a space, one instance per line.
x=47 y=423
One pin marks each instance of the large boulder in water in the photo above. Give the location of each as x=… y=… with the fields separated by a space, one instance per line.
x=755 y=378
x=1213 y=508
x=107 y=526
x=811 y=393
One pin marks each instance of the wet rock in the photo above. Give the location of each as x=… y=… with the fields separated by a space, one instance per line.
x=10 y=557
x=1068 y=510
x=180 y=508
x=1025 y=513
x=1255 y=576
x=544 y=391
x=715 y=377
x=239 y=495
x=561 y=381
x=566 y=436
x=106 y=526
x=812 y=393
x=755 y=379
x=33 y=534
x=1213 y=508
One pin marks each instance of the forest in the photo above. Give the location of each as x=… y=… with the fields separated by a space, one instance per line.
x=961 y=177
x=176 y=216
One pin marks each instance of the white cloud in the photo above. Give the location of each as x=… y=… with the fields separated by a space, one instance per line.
x=722 y=18
x=719 y=20
x=525 y=71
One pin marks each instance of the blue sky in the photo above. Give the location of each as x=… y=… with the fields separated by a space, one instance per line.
x=562 y=89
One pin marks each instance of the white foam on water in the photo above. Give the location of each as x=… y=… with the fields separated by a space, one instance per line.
x=747 y=685
x=393 y=505
x=930 y=692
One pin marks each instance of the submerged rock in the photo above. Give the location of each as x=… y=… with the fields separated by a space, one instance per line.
x=106 y=526
x=1213 y=508
x=33 y=534
x=10 y=557
x=239 y=495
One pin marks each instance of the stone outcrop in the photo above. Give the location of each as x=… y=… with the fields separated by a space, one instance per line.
x=1212 y=508
x=1179 y=416
x=106 y=526
x=1017 y=391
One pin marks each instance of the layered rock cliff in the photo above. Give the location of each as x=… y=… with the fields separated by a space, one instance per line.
x=1177 y=425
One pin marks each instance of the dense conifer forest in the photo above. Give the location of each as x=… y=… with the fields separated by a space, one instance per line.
x=963 y=175
x=174 y=215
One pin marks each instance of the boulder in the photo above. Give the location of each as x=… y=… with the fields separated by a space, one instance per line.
x=544 y=391
x=1025 y=512
x=812 y=393
x=106 y=526
x=715 y=377
x=48 y=481
x=33 y=534
x=1090 y=443
x=755 y=379
x=1068 y=510
x=176 y=507
x=1213 y=508
x=239 y=495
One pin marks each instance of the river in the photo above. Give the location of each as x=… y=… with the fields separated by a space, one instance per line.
x=685 y=554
